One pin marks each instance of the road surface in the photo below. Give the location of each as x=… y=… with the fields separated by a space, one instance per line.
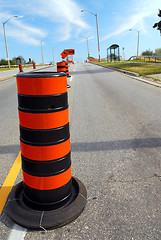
x=116 y=148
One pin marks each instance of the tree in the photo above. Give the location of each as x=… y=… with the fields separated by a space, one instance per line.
x=147 y=53
x=12 y=62
x=157 y=52
x=3 y=62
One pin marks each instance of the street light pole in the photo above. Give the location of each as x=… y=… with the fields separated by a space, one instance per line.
x=42 y=53
x=53 y=55
x=138 y=45
x=99 y=54
x=87 y=47
x=6 y=39
x=98 y=39
x=137 y=41
x=6 y=45
x=42 y=50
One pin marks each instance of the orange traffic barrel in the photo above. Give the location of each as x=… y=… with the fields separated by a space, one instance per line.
x=48 y=185
x=20 y=67
x=61 y=67
x=34 y=65
x=67 y=69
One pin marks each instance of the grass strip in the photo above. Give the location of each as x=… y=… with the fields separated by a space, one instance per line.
x=141 y=68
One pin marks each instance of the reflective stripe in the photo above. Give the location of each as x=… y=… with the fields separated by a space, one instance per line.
x=45 y=153
x=41 y=86
x=47 y=183
x=44 y=120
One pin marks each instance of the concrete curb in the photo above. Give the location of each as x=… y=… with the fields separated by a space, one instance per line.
x=134 y=76
x=119 y=70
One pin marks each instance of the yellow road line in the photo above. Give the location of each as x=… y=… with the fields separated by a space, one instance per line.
x=9 y=181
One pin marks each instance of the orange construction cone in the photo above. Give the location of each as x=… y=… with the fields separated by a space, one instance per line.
x=61 y=67
x=34 y=65
x=67 y=69
x=48 y=191
x=20 y=67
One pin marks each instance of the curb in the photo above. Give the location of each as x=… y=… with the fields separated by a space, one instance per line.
x=119 y=70
x=135 y=76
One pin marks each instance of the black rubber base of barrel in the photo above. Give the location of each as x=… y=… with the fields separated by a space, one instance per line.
x=30 y=218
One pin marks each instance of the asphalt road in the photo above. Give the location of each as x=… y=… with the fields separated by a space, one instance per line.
x=116 y=147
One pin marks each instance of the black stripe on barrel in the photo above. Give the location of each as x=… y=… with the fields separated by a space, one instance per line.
x=42 y=103
x=47 y=199
x=61 y=67
x=46 y=168
x=44 y=137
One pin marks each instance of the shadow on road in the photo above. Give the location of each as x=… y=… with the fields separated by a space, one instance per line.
x=116 y=145
x=99 y=146
x=87 y=71
x=9 y=149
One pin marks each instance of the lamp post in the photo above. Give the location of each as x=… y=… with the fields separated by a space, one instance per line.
x=53 y=55
x=137 y=42
x=97 y=32
x=123 y=53
x=42 y=50
x=88 y=48
x=6 y=39
x=87 y=45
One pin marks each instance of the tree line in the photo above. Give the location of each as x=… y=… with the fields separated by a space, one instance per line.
x=157 y=52
x=13 y=61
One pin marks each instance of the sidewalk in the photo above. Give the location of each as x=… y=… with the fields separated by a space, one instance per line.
x=158 y=75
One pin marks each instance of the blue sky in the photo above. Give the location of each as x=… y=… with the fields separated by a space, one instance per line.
x=61 y=25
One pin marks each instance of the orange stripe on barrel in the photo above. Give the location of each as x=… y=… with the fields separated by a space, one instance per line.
x=45 y=153
x=44 y=120
x=41 y=86
x=47 y=183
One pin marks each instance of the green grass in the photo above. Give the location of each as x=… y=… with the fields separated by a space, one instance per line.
x=6 y=69
x=141 y=68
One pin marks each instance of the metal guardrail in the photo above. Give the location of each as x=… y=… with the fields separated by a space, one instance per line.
x=6 y=66
x=14 y=66
x=23 y=65
x=145 y=58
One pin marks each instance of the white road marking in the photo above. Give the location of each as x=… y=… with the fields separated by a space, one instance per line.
x=17 y=233
x=70 y=79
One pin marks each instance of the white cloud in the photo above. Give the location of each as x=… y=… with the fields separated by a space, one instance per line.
x=143 y=10
x=64 y=13
x=24 y=33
